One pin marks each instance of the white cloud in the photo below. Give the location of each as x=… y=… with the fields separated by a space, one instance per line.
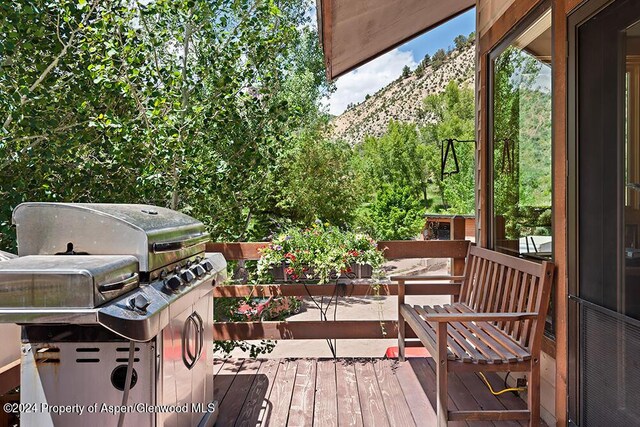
x=367 y=79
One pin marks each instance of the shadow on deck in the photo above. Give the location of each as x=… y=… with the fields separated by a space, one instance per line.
x=346 y=392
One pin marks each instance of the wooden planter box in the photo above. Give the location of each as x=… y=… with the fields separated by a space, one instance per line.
x=358 y=271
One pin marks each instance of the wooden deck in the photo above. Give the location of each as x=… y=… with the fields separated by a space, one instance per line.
x=346 y=392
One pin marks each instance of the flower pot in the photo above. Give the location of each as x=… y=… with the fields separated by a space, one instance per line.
x=362 y=271
x=357 y=271
x=279 y=273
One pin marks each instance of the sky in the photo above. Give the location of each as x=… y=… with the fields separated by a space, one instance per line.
x=369 y=78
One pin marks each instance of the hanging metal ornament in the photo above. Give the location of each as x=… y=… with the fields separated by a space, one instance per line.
x=444 y=154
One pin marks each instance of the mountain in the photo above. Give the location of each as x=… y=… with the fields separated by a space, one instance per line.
x=401 y=100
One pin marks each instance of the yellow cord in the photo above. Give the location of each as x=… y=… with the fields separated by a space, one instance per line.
x=497 y=393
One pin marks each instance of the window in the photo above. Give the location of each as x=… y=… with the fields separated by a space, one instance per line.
x=520 y=142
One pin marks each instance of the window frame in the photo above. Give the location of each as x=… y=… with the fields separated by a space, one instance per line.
x=489 y=217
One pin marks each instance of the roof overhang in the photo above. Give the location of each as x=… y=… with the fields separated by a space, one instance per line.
x=356 y=31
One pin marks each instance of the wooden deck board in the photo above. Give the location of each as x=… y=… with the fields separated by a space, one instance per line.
x=238 y=392
x=427 y=377
x=326 y=408
x=394 y=402
x=281 y=394
x=346 y=392
x=257 y=406
x=478 y=389
x=415 y=395
x=349 y=412
x=217 y=365
x=460 y=398
x=373 y=411
x=302 y=401
x=224 y=378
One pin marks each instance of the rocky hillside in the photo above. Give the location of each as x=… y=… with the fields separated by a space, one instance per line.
x=401 y=100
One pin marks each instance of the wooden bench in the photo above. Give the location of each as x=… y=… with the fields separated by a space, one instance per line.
x=494 y=324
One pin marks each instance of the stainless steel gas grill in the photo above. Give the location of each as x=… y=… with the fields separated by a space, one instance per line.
x=115 y=304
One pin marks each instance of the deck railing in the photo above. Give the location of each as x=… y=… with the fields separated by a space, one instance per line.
x=456 y=250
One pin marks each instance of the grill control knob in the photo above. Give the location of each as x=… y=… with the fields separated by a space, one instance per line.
x=173 y=283
x=187 y=275
x=198 y=270
x=139 y=302
x=206 y=264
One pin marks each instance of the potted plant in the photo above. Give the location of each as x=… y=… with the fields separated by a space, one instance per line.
x=320 y=254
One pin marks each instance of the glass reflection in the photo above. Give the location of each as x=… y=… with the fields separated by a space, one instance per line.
x=522 y=179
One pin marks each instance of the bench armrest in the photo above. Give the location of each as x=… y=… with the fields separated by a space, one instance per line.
x=478 y=317
x=426 y=278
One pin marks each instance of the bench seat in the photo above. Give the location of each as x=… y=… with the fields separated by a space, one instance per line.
x=469 y=341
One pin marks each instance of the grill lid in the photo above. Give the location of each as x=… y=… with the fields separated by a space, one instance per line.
x=156 y=236
x=62 y=282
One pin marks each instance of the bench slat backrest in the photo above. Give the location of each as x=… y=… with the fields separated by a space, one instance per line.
x=499 y=283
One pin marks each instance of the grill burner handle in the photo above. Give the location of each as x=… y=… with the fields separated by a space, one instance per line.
x=198 y=270
x=140 y=302
x=187 y=275
x=180 y=244
x=206 y=264
x=173 y=283
x=116 y=286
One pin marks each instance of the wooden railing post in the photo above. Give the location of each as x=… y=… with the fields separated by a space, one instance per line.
x=457 y=233
x=401 y=322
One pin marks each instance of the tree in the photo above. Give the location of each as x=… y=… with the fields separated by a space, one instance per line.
x=460 y=42
x=395 y=162
x=394 y=214
x=472 y=37
x=186 y=104
x=317 y=182
x=438 y=58
x=406 y=72
x=396 y=157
